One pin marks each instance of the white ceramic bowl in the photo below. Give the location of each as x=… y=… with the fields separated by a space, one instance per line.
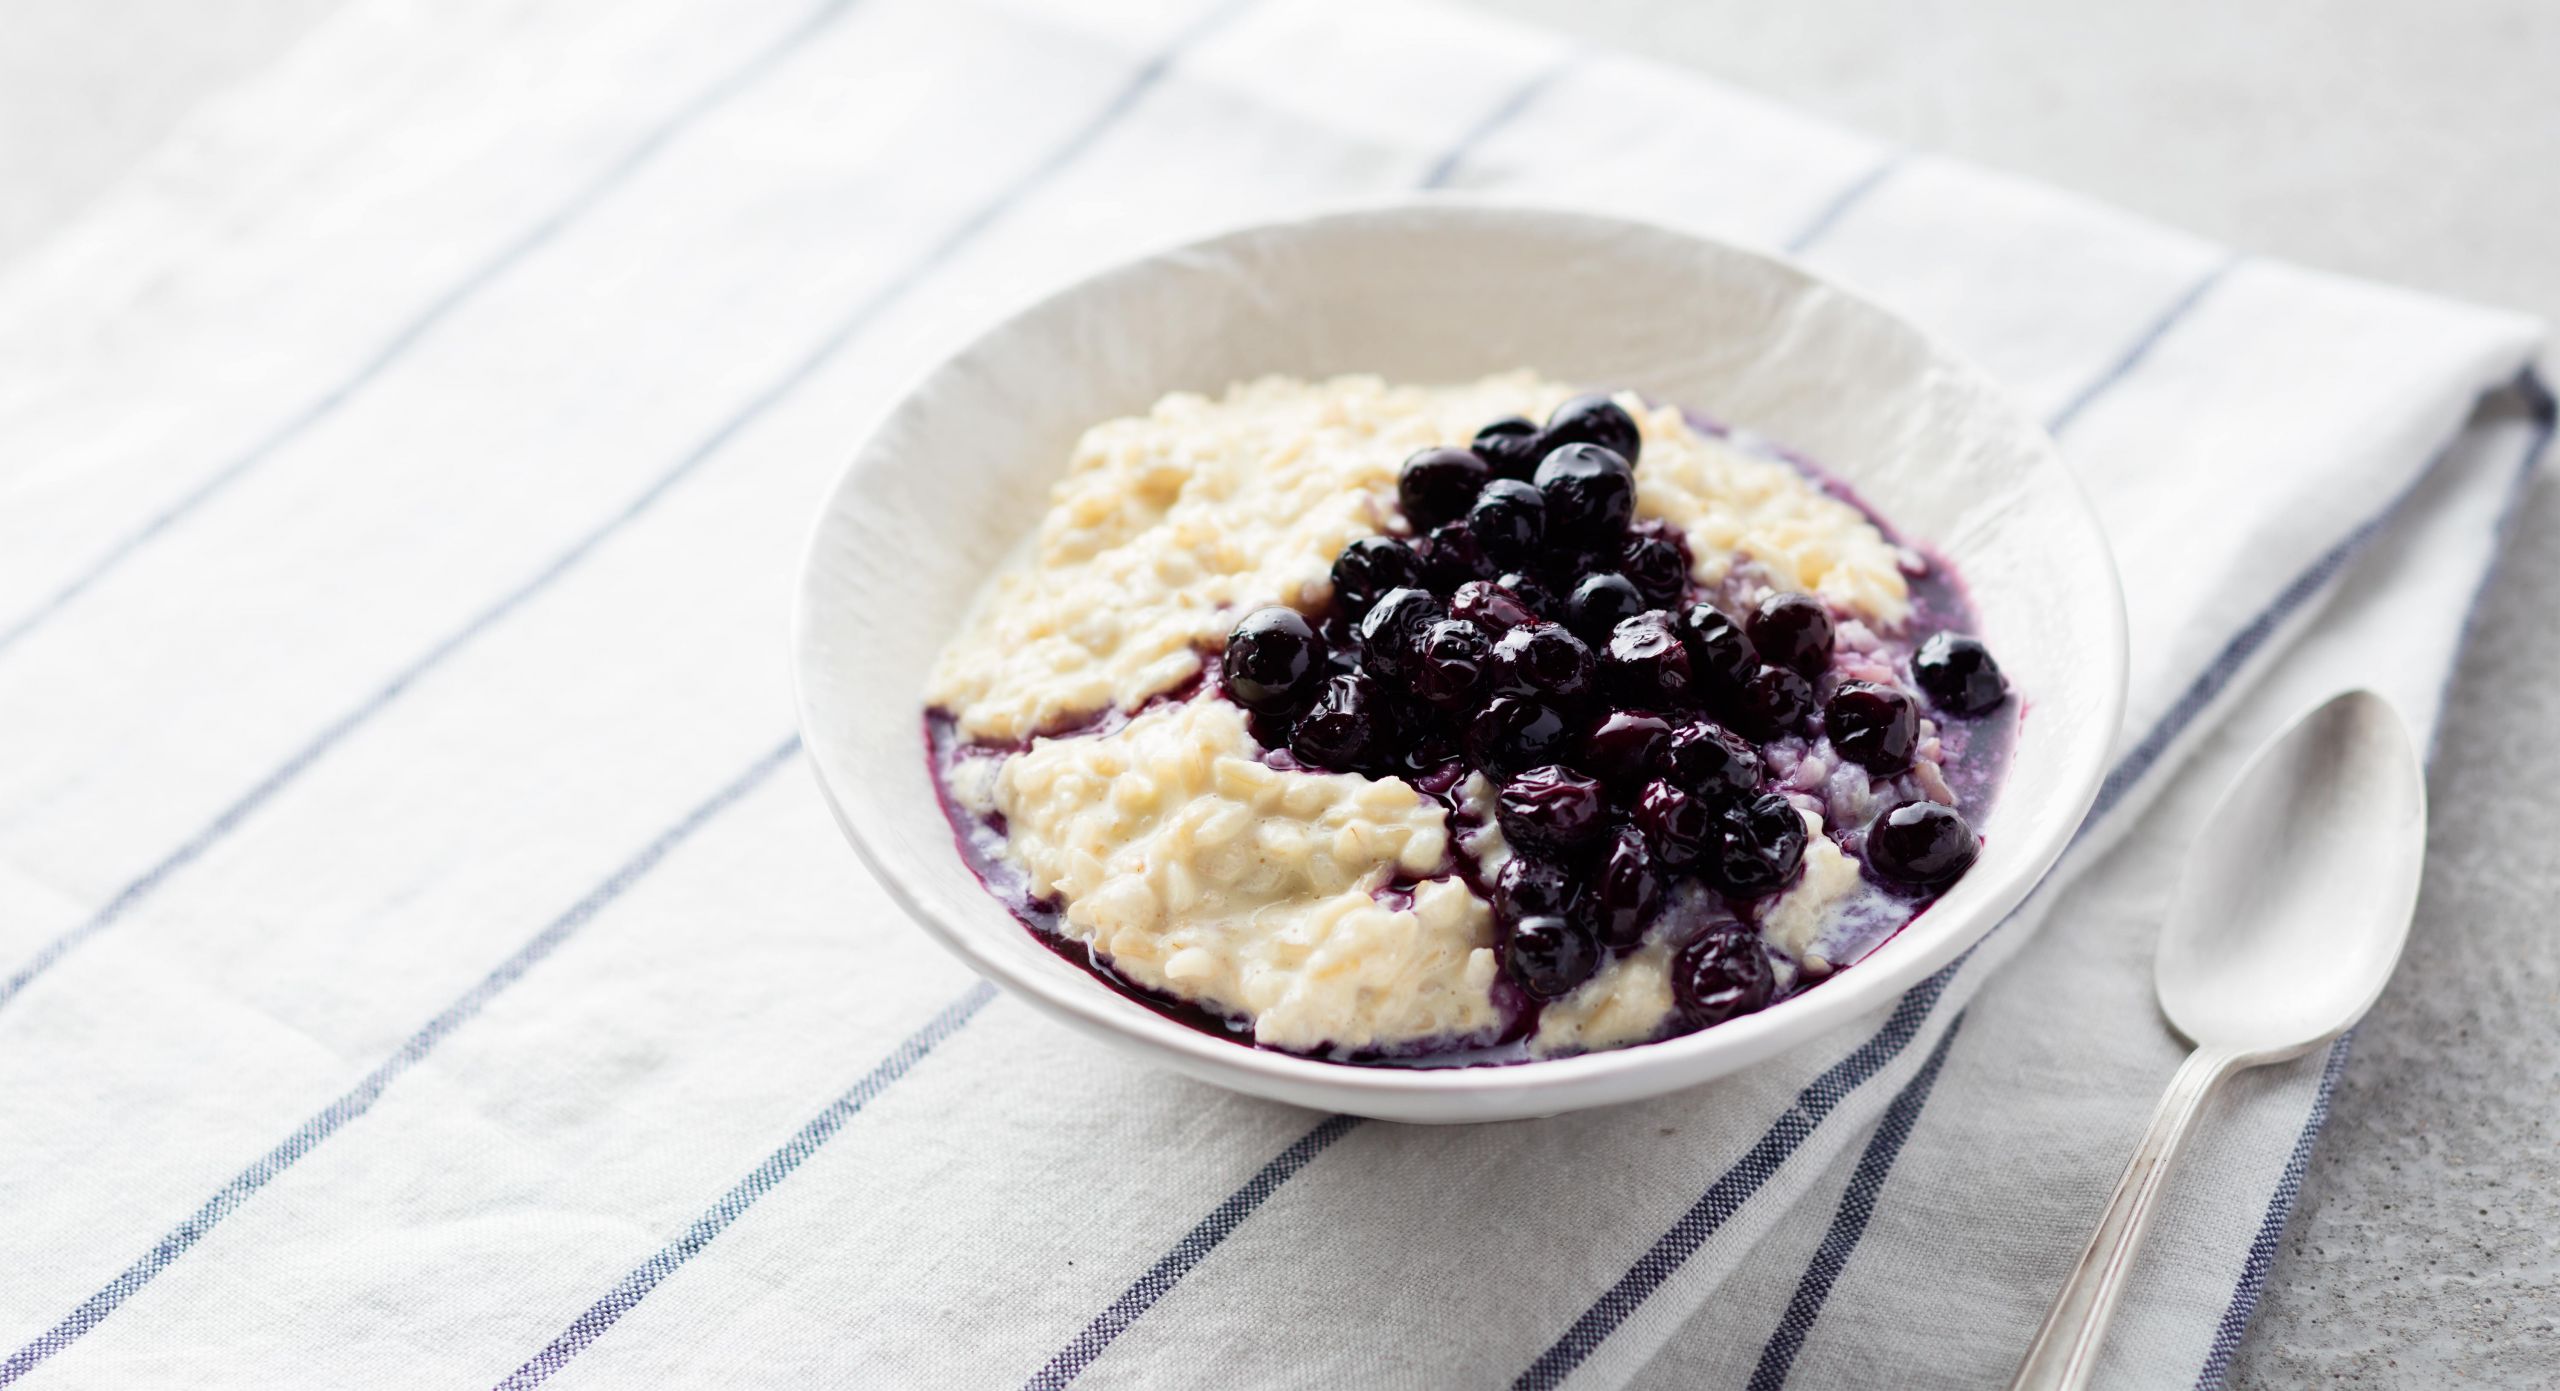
x=1439 y=292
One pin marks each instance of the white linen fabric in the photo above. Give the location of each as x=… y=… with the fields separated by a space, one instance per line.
x=427 y=964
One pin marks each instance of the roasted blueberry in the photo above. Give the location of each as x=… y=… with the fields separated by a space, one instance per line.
x=1713 y=762
x=1758 y=845
x=1646 y=664
x=1773 y=702
x=1529 y=887
x=1551 y=809
x=1590 y=491
x=1490 y=606
x=1657 y=566
x=1959 y=675
x=1544 y=660
x=1793 y=631
x=1599 y=604
x=1448 y=667
x=1873 y=724
x=1595 y=419
x=1340 y=731
x=1920 y=845
x=1274 y=660
x=1627 y=891
x=1451 y=556
x=1531 y=591
x=1509 y=520
x=1271 y=729
x=1370 y=567
x=1515 y=733
x=1393 y=627
x=1511 y=447
x=1438 y=485
x=1417 y=739
x=1722 y=973
x=1625 y=749
x=1681 y=827
x=1719 y=655
x=1549 y=955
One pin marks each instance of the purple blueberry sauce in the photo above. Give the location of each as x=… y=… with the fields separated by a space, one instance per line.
x=1652 y=740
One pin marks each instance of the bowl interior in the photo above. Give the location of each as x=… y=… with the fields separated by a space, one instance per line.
x=960 y=470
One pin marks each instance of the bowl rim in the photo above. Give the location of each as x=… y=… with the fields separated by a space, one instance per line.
x=1082 y=1000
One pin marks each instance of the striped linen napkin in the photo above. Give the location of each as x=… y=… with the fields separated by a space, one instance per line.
x=427 y=964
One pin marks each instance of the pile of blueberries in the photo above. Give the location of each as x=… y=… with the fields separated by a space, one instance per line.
x=1532 y=629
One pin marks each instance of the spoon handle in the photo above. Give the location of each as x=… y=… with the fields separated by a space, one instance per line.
x=2066 y=1348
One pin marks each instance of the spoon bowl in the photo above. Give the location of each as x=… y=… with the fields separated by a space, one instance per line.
x=2297 y=900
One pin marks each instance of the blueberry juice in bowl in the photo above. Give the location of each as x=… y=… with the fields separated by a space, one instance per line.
x=1432 y=726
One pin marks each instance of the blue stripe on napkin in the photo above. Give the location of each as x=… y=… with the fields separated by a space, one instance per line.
x=532 y=239
x=1866 y=1183
x=360 y=1098
x=1194 y=1248
x=626 y=1296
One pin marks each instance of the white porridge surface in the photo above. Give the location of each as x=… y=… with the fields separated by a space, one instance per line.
x=1169 y=525
x=1200 y=871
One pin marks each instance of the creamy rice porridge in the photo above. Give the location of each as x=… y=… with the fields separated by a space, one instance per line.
x=1387 y=724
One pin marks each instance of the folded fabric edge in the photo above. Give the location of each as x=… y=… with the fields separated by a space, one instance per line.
x=2265 y=1243
x=2259 y=652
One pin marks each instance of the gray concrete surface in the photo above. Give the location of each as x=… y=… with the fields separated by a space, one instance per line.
x=2402 y=139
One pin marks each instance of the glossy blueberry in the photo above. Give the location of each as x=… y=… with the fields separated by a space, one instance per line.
x=1681 y=827
x=1722 y=973
x=1920 y=845
x=1394 y=624
x=1274 y=660
x=1549 y=955
x=1657 y=566
x=1490 y=606
x=1340 y=730
x=1447 y=671
x=1511 y=447
x=1713 y=762
x=1758 y=845
x=1719 y=655
x=1793 y=631
x=1529 y=887
x=1547 y=661
x=1590 y=491
x=1271 y=729
x=1551 y=809
x=1959 y=675
x=1627 y=890
x=1451 y=556
x=1625 y=749
x=1531 y=590
x=1415 y=739
x=1599 y=604
x=1595 y=419
x=1437 y=485
x=1424 y=733
x=1873 y=724
x=1516 y=733
x=1773 y=702
x=1509 y=520
x=1370 y=567
x=1646 y=664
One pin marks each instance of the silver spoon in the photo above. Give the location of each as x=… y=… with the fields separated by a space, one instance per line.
x=2295 y=902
